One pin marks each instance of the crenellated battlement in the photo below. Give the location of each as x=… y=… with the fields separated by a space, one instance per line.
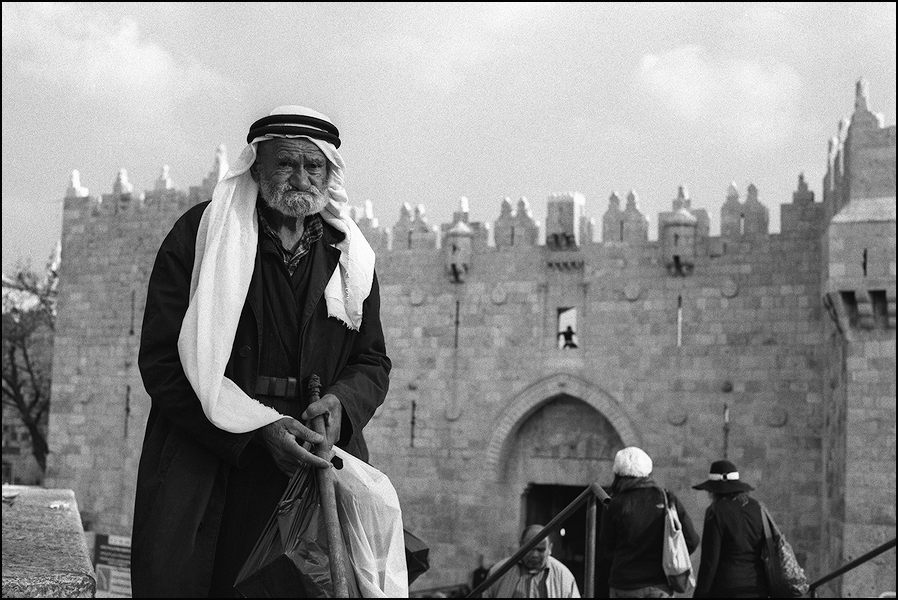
x=121 y=205
x=861 y=157
x=816 y=236
x=515 y=226
x=164 y=202
x=860 y=164
x=471 y=250
x=567 y=225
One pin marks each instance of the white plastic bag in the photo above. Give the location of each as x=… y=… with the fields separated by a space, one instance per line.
x=675 y=559
x=371 y=519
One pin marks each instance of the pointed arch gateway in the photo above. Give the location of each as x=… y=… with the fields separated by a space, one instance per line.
x=537 y=395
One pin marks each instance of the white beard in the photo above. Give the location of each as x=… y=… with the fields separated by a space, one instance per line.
x=293 y=203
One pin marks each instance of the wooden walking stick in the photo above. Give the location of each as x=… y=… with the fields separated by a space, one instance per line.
x=336 y=548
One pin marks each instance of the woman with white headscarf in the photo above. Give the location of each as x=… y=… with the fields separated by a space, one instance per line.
x=632 y=534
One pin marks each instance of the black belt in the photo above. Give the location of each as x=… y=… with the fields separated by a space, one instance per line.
x=281 y=387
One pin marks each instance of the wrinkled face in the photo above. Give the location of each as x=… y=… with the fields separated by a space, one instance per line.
x=292 y=176
x=539 y=556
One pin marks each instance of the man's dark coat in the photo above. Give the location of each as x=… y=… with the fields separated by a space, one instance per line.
x=186 y=460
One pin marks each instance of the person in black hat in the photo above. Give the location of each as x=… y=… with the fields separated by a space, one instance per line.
x=732 y=539
x=251 y=294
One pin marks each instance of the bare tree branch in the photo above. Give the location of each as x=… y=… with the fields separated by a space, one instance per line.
x=29 y=315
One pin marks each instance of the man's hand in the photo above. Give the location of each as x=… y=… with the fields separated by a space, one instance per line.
x=284 y=439
x=329 y=406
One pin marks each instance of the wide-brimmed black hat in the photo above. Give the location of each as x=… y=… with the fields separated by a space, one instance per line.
x=723 y=479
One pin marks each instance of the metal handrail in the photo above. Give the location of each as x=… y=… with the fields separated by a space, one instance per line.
x=590 y=495
x=851 y=565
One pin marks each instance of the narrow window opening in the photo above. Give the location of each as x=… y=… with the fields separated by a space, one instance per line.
x=456 y=271
x=726 y=429
x=512 y=236
x=412 y=423
x=679 y=321
x=133 y=312
x=880 y=308
x=567 y=328
x=676 y=239
x=410 y=239
x=678 y=266
x=127 y=408
x=621 y=231
x=864 y=262
x=457 y=311
x=742 y=224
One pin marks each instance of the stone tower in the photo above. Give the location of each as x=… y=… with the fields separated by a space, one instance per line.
x=859 y=395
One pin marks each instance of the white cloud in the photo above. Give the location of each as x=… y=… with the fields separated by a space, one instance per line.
x=770 y=18
x=508 y=16
x=756 y=101
x=682 y=78
x=451 y=42
x=62 y=46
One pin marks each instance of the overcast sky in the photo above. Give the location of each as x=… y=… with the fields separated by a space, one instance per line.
x=438 y=101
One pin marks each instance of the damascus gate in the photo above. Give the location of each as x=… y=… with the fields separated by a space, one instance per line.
x=527 y=352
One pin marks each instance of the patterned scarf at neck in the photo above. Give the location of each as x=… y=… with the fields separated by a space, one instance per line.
x=531 y=583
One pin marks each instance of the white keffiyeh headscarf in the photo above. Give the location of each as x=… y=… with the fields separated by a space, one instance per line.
x=226 y=246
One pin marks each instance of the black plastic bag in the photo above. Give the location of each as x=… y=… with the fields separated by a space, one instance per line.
x=291 y=558
x=416 y=555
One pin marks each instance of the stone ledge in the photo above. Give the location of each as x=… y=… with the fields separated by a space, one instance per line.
x=44 y=550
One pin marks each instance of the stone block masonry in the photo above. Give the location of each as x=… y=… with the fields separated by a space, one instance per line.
x=793 y=332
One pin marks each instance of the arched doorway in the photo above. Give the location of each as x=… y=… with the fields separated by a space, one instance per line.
x=529 y=400
x=562 y=447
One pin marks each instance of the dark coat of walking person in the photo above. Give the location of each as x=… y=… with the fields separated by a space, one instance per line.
x=632 y=534
x=732 y=539
x=251 y=293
